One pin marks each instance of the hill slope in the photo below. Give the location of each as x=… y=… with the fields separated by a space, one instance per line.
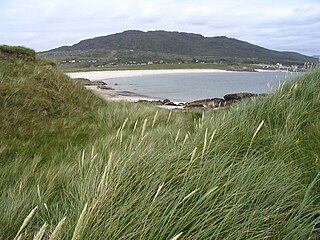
x=76 y=167
x=173 y=46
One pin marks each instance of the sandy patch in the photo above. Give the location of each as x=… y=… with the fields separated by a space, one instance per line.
x=104 y=75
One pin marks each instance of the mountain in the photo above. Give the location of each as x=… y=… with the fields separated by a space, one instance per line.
x=154 y=46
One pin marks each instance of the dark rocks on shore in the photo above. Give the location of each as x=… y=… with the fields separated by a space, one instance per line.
x=168 y=102
x=227 y=100
x=165 y=102
x=238 y=96
x=207 y=104
x=99 y=84
x=88 y=82
x=105 y=87
x=210 y=103
x=196 y=103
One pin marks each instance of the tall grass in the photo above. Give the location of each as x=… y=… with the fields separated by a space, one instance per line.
x=107 y=170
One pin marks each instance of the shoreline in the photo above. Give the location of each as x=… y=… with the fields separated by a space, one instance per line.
x=105 y=75
x=120 y=95
x=116 y=95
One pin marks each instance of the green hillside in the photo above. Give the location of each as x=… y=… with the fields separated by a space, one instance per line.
x=74 y=166
x=172 y=47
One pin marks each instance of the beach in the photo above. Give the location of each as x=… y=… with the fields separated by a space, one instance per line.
x=115 y=95
x=104 y=75
x=180 y=85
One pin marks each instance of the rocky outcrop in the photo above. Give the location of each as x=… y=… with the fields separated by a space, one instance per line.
x=165 y=102
x=88 y=82
x=217 y=103
x=100 y=84
x=168 y=102
x=209 y=103
x=105 y=87
x=227 y=100
x=238 y=96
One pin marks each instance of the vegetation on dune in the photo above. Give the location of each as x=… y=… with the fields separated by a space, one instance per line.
x=76 y=167
x=17 y=52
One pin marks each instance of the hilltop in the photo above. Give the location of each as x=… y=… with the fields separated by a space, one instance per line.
x=74 y=166
x=169 y=47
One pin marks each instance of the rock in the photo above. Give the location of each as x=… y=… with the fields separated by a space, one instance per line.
x=216 y=103
x=98 y=83
x=105 y=87
x=170 y=104
x=88 y=82
x=197 y=103
x=166 y=101
x=210 y=103
x=238 y=96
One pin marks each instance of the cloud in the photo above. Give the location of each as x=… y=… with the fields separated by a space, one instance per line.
x=283 y=25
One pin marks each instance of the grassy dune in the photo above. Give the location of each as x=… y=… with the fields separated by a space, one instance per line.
x=76 y=167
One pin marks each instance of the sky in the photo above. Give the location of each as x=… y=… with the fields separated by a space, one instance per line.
x=284 y=25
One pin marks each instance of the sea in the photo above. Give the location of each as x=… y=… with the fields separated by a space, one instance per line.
x=182 y=87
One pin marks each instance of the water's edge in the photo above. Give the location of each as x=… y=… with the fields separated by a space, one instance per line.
x=185 y=87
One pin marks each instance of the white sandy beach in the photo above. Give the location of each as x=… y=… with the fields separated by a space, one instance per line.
x=115 y=95
x=104 y=75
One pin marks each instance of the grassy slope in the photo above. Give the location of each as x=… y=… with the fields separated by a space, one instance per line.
x=146 y=173
x=158 y=66
x=173 y=47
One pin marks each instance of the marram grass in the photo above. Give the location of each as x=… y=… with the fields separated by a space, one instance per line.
x=90 y=169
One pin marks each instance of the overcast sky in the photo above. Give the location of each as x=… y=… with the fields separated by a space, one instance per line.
x=276 y=24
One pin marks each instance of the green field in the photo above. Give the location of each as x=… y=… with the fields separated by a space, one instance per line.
x=158 y=66
x=74 y=166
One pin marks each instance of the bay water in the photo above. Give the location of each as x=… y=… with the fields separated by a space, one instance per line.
x=193 y=86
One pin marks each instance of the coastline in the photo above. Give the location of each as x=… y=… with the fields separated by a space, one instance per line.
x=115 y=95
x=104 y=75
x=122 y=95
